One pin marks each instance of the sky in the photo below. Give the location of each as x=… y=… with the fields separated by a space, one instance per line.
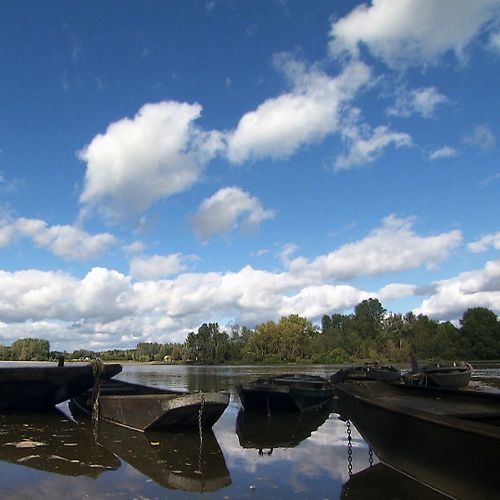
x=168 y=164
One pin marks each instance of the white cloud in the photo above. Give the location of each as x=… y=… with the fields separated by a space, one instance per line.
x=305 y=115
x=396 y=291
x=481 y=137
x=390 y=248
x=365 y=148
x=444 y=152
x=227 y=209
x=481 y=245
x=108 y=309
x=423 y=101
x=480 y=288
x=65 y=241
x=494 y=42
x=158 y=266
x=411 y=32
x=138 y=161
x=134 y=247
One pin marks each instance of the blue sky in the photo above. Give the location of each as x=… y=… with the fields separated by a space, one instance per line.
x=165 y=164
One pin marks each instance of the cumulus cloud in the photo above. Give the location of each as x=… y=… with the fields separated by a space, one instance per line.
x=106 y=308
x=411 y=32
x=227 y=209
x=423 y=102
x=305 y=115
x=158 y=153
x=158 y=266
x=481 y=245
x=69 y=242
x=365 y=146
x=390 y=248
x=481 y=137
x=443 y=152
x=479 y=288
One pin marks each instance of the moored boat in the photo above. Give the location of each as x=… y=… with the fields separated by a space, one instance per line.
x=287 y=392
x=444 y=438
x=42 y=387
x=452 y=375
x=144 y=408
x=369 y=371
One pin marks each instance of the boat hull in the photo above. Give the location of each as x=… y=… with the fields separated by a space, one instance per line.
x=42 y=387
x=146 y=408
x=456 y=456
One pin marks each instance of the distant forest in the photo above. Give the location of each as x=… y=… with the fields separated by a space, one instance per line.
x=370 y=333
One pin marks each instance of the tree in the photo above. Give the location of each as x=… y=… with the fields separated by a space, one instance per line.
x=480 y=331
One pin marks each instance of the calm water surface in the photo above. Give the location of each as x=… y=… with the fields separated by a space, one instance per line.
x=303 y=456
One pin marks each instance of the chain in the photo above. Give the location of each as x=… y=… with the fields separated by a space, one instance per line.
x=200 y=430
x=370 y=457
x=349 y=448
x=97 y=370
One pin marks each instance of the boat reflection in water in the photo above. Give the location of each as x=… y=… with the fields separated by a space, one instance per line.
x=173 y=459
x=53 y=443
x=279 y=430
x=379 y=482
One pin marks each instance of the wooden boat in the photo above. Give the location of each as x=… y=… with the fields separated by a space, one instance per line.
x=451 y=375
x=177 y=460
x=54 y=443
x=144 y=408
x=287 y=392
x=39 y=387
x=370 y=371
x=444 y=438
x=258 y=431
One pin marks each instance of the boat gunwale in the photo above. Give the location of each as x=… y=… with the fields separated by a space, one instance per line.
x=451 y=421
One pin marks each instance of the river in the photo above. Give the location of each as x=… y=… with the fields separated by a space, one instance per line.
x=55 y=456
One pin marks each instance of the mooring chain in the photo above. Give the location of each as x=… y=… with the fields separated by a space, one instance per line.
x=200 y=430
x=97 y=370
x=370 y=455
x=349 y=448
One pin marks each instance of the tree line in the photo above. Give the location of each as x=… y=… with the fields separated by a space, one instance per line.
x=369 y=333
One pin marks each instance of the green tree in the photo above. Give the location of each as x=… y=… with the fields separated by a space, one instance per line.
x=480 y=331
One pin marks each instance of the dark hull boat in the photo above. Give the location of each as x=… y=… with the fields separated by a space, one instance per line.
x=52 y=442
x=449 y=375
x=176 y=460
x=144 y=408
x=446 y=439
x=373 y=371
x=42 y=387
x=289 y=392
x=258 y=431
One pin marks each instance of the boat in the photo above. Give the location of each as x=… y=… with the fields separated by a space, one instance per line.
x=369 y=371
x=286 y=392
x=447 y=439
x=260 y=432
x=142 y=407
x=175 y=459
x=52 y=442
x=42 y=387
x=452 y=375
